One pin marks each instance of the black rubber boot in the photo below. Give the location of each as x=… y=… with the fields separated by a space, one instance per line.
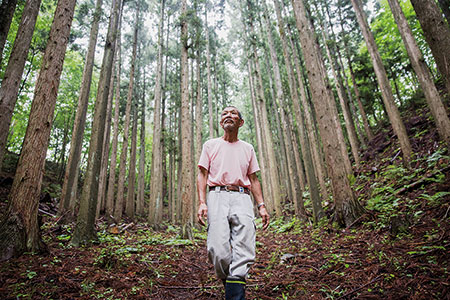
x=235 y=291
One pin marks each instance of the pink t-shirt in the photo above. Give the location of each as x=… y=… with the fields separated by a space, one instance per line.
x=228 y=163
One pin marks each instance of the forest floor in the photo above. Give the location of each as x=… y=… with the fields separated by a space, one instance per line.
x=399 y=249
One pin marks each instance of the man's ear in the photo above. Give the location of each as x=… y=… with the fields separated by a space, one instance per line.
x=241 y=123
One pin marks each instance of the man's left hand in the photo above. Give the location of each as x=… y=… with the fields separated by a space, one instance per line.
x=265 y=217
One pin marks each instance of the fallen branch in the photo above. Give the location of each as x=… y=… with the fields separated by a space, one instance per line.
x=410 y=186
x=360 y=288
x=126 y=227
x=46 y=213
x=199 y=287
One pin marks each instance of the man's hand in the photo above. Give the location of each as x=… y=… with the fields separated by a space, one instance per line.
x=265 y=216
x=202 y=213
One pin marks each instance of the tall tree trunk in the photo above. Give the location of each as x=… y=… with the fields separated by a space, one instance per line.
x=131 y=193
x=423 y=74
x=267 y=188
x=85 y=227
x=164 y=133
x=265 y=126
x=313 y=138
x=109 y=207
x=62 y=157
x=437 y=35
x=140 y=202
x=362 y=111
x=304 y=138
x=208 y=74
x=19 y=228
x=347 y=208
x=156 y=188
x=14 y=69
x=118 y=208
x=69 y=188
x=386 y=90
x=7 y=9
x=106 y=141
x=187 y=173
x=343 y=100
x=294 y=180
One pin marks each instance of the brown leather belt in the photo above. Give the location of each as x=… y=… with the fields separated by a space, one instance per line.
x=230 y=188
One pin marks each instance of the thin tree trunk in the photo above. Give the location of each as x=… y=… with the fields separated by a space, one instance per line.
x=140 y=202
x=187 y=173
x=14 y=70
x=313 y=139
x=7 y=9
x=208 y=74
x=265 y=126
x=347 y=208
x=118 y=208
x=69 y=188
x=304 y=138
x=105 y=155
x=267 y=189
x=131 y=193
x=156 y=189
x=294 y=180
x=386 y=91
x=426 y=80
x=343 y=100
x=85 y=227
x=19 y=228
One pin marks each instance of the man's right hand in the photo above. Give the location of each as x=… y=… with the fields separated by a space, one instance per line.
x=202 y=213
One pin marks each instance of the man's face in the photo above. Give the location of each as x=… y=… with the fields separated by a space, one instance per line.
x=229 y=119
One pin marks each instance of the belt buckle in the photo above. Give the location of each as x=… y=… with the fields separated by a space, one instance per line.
x=226 y=188
x=241 y=190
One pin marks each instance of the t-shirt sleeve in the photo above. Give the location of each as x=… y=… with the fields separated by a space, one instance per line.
x=253 y=164
x=204 y=158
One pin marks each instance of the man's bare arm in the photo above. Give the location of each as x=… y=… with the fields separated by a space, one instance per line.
x=257 y=194
x=201 y=190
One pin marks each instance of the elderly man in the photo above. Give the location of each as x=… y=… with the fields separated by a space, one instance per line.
x=228 y=168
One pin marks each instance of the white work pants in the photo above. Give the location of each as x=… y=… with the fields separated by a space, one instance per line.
x=231 y=234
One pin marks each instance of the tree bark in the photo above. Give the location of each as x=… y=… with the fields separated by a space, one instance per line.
x=386 y=90
x=13 y=73
x=19 y=228
x=347 y=208
x=423 y=74
x=7 y=9
x=437 y=35
x=187 y=165
x=85 y=227
x=156 y=188
x=69 y=188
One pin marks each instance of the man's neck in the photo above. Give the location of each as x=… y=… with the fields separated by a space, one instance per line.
x=230 y=136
